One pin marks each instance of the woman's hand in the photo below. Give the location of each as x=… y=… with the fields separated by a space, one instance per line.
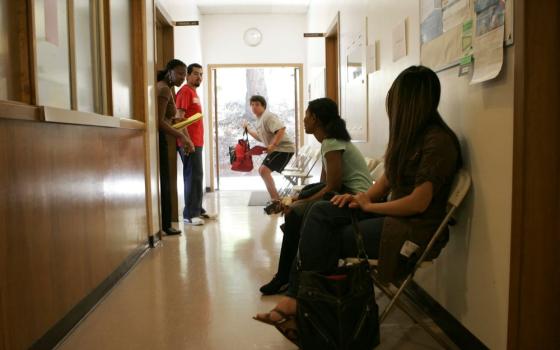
x=245 y=124
x=360 y=200
x=342 y=200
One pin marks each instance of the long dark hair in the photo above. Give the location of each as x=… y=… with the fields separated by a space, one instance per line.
x=326 y=111
x=168 y=67
x=412 y=103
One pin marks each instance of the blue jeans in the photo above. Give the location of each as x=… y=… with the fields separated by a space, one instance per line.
x=327 y=235
x=192 y=178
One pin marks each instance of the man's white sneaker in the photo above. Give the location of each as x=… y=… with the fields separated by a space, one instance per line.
x=194 y=221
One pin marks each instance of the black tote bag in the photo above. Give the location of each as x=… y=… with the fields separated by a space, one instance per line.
x=338 y=311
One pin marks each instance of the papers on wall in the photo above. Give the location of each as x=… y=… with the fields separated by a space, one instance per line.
x=440 y=31
x=455 y=13
x=317 y=83
x=432 y=26
x=465 y=32
x=490 y=18
x=443 y=51
x=399 y=40
x=488 y=43
x=465 y=63
x=466 y=38
x=427 y=7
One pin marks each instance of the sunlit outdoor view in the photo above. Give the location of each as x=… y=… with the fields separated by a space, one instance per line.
x=234 y=87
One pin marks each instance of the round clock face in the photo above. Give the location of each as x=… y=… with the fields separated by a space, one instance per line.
x=252 y=37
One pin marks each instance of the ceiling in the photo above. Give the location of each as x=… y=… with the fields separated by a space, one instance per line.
x=252 y=6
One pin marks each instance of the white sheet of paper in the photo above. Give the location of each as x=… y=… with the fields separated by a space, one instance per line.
x=399 y=40
x=488 y=51
x=455 y=14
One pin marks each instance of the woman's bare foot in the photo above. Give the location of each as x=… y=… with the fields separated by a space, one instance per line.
x=286 y=305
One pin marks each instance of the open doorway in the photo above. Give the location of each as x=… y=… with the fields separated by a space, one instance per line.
x=230 y=90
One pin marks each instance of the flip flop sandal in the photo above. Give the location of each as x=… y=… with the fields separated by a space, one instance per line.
x=289 y=329
x=268 y=320
x=285 y=325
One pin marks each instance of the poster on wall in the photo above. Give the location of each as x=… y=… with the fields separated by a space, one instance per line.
x=317 y=83
x=441 y=31
x=399 y=40
x=355 y=106
x=465 y=31
x=488 y=41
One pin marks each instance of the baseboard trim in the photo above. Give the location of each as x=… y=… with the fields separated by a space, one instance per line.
x=154 y=239
x=454 y=330
x=54 y=335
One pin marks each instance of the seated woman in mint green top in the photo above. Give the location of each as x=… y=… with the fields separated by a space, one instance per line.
x=355 y=174
x=344 y=171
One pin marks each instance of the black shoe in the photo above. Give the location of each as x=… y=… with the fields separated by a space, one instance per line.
x=275 y=286
x=172 y=231
x=274 y=207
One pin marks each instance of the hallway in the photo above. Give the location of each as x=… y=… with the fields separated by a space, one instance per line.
x=199 y=291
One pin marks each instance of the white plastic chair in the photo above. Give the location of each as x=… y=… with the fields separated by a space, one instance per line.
x=307 y=162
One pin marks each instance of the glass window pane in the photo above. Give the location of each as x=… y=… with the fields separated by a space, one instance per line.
x=84 y=58
x=53 y=71
x=121 y=55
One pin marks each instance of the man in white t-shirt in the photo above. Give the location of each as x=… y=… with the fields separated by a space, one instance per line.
x=272 y=133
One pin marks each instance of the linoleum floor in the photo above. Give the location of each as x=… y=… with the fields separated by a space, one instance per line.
x=199 y=291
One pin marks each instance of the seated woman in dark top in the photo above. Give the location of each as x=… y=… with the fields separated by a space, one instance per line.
x=422 y=157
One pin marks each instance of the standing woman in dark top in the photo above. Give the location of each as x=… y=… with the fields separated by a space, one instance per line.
x=421 y=160
x=173 y=75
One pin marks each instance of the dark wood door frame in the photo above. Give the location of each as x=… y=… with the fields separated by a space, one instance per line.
x=535 y=260
x=165 y=51
x=332 y=61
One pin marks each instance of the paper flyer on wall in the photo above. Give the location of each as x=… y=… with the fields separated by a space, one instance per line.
x=431 y=23
x=427 y=7
x=399 y=40
x=488 y=43
x=488 y=51
x=490 y=17
x=454 y=13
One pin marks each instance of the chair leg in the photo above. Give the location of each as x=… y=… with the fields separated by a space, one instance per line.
x=394 y=299
x=406 y=308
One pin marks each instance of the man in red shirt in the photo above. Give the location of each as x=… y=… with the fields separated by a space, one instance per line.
x=188 y=104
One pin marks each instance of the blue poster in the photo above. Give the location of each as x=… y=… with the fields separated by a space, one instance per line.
x=432 y=27
x=489 y=19
x=481 y=5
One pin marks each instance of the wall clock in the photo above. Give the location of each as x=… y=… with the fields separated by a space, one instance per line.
x=252 y=37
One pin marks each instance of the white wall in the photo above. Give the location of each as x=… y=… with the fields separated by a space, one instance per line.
x=222 y=43
x=471 y=278
x=282 y=38
x=219 y=40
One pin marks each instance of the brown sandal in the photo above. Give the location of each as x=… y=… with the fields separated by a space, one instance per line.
x=286 y=325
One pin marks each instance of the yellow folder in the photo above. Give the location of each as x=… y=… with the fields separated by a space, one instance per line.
x=193 y=118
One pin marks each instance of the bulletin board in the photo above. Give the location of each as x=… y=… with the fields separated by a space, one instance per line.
x=448 y=27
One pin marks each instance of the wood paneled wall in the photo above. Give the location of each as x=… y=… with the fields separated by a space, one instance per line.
x=72 y=209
